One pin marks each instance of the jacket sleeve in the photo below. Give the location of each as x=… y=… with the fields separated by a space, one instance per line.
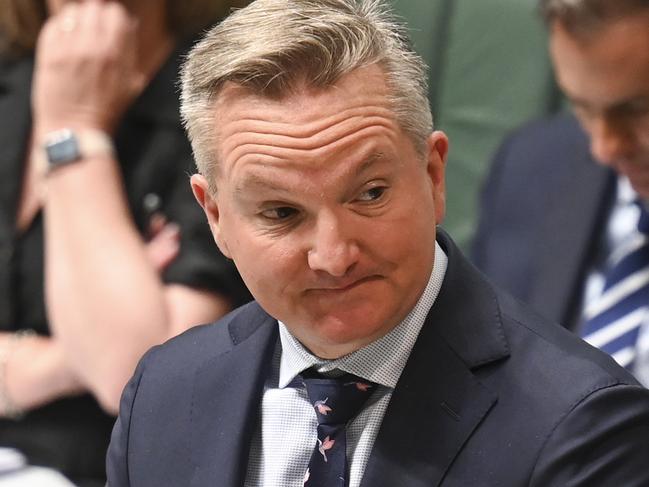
x=603 y=440
x=117 y=466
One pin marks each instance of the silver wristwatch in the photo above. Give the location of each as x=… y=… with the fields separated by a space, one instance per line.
x=66 y=146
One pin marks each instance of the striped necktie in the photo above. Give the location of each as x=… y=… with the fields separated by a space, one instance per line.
x=612 y=322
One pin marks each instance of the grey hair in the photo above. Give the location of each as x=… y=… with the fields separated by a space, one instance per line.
x=588 y=16
x=272 y=46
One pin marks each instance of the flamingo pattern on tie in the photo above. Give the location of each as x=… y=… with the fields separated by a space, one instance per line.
x=335 y=402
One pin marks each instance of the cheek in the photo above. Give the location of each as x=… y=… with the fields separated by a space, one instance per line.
x=418 y=215
x=411 y=246
x=405 y=242
x=269 y=268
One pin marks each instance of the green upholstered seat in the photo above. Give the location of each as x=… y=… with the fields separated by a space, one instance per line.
x=489 y=72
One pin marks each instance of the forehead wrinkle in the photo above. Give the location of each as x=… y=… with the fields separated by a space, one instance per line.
x=317 y=151
x=304 y=130
x=340 y=132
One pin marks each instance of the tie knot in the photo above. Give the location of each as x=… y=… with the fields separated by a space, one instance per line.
x=336 y=400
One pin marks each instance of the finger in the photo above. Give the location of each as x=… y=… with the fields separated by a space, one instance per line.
x=68 y=24
x=164 y=247
x=156 y=223
x=67 y=20
x=119 y=33
x=118 y=22
x=171 y=231
x=90 y=19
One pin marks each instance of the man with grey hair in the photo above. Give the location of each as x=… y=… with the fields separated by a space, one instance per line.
x=574 y=244
x=374 y=354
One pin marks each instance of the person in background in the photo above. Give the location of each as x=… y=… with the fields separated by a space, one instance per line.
x=563 y=211
x=374 y=354
x=103 y=250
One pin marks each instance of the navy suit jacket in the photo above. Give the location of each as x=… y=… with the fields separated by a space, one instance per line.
x=492 y=395
x=543 y=213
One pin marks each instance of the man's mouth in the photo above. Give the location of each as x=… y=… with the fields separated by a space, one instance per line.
x=343 y=286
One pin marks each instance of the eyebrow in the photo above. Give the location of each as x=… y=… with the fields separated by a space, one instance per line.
x=369 y=161
x=255 y=181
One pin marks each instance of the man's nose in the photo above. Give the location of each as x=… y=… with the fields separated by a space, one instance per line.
x=609 y=141
x=334 y=249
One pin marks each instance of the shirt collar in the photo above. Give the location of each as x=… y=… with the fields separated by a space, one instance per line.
x=381 y=361
x=626 y=195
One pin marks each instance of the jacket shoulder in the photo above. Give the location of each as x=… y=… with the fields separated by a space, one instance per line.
x=563 y=350
x=208 y=340
x=589 y=416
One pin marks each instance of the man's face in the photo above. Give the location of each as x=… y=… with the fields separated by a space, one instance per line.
x=326 y=208
x=606 y=76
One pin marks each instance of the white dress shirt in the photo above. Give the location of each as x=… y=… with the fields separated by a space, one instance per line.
x=286 y=434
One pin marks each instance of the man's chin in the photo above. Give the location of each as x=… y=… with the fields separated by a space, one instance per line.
x=335 y=337
x=637 y=172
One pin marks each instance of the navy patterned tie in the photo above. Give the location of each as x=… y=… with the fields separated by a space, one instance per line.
x=336 y=402
x=612 y=322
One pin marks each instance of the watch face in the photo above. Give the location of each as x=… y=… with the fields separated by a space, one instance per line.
x=65 y=146
x=62 y=151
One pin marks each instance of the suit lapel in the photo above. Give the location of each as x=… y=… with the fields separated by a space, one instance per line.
x=563 y=255
x=438 y=402
x=428 y=420
x=225 y=405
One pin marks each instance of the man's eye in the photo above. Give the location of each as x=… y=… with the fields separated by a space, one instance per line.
x=279 y=214
x=372 y=194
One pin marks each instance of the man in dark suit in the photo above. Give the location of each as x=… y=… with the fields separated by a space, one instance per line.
x=322 y=178
x=566 y=195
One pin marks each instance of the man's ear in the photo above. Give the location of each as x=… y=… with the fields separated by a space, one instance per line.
x=436 y=166
x=210 y=206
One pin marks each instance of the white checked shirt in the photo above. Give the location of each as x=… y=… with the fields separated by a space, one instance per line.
x=286 y=434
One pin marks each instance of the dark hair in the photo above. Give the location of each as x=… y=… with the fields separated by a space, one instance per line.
x=21 y=20
x=588 y=15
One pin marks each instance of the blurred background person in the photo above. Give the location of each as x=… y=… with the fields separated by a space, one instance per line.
x=489 y=73
x=564 y=221
x=103 y=251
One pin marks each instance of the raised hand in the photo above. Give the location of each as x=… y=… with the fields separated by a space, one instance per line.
x=86 y=68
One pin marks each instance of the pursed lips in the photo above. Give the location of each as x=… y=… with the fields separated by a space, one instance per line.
x=343 y=286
